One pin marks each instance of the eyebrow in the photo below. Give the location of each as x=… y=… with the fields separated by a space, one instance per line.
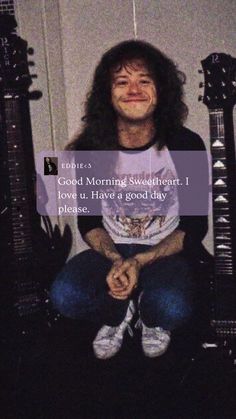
x=125 y=76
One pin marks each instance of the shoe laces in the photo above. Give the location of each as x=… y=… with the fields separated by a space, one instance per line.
x=130 y=330
x=138 y=324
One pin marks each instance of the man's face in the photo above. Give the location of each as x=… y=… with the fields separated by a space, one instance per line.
x=133 y=92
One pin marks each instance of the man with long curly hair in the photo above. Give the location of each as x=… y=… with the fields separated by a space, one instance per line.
x=134 y=264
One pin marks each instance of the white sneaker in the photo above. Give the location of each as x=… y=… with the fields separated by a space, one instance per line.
x=109 y=338
x=155 y=340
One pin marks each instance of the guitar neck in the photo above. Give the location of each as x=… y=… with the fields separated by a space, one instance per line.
x=223 y=183
x=19 y=200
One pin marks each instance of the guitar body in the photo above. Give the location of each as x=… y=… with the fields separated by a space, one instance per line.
x=220 y=97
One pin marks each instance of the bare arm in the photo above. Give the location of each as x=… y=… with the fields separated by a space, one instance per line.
x=99 y=240
x=172 y=244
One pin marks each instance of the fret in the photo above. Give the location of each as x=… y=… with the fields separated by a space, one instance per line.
x=22 y=207
x=22 y=251
x=25 y=242
x=21 y=218
x=228 y=264
x=223 y=246
x=221 y=177
x=21 y=235
x=20 y=223
x=15 y=152
x=224 y=267
x=222 y=237
x=221 y=211
x=16 y=177
x=21 y=247
x=224 y=273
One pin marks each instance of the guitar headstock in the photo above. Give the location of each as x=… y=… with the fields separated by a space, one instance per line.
x=220 y=81
x=14 y=72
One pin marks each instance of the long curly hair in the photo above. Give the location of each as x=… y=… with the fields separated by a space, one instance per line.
x=99 y=130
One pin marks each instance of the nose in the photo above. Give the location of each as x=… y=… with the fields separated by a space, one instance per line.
x=134 y=87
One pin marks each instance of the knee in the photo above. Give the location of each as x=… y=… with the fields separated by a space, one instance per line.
x=167 y=308
x=68 y=296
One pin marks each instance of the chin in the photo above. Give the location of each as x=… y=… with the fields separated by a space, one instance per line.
x=136 y=118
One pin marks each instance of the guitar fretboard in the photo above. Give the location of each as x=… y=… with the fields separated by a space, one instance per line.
x=223 y=246
x=21 y=237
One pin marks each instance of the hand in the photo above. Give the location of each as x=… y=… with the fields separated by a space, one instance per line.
x=117 y=285
x=131 y=269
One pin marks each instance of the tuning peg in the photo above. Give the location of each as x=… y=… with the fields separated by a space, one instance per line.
x=200 y=71
x=201 y=84
x=31 y=63
x=33 y=76
x=35 y=95
x=200 y=97
x=30 y=51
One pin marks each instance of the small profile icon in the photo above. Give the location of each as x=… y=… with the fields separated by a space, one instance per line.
x=50 y=165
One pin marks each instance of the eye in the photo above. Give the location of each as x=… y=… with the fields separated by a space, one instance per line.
x=121 y=82
x=145 y=81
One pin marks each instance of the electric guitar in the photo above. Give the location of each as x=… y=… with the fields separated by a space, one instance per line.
x=29 y=255
x=220 y=96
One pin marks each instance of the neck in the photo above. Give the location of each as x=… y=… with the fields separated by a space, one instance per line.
x=132 y=134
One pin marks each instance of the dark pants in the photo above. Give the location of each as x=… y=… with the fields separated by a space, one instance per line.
x=80 y=290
